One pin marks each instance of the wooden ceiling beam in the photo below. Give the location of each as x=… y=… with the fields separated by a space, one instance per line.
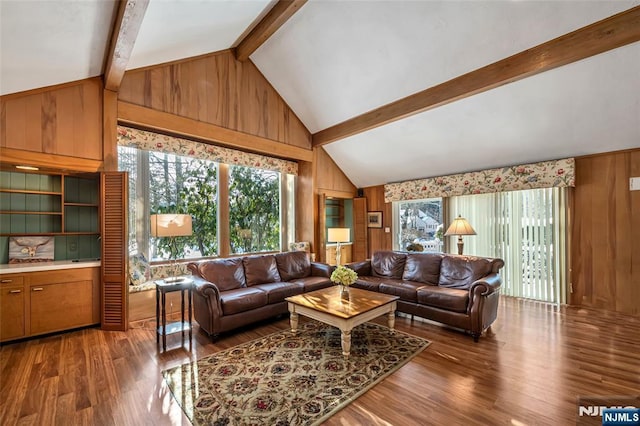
x=274 y=19
x=123 y=37
x=607 y=34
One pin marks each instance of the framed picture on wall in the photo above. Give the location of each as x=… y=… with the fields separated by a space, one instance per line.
x=374 y=219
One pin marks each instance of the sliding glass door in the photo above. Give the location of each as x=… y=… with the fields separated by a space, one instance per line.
x=527 y=229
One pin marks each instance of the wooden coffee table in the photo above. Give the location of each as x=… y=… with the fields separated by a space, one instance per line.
x=328 y=307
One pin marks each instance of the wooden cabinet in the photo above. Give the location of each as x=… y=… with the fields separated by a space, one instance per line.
x=61 y=300
x=12 y=305
x=42 y=302
x=345 y=254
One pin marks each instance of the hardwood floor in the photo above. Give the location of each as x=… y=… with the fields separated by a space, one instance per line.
x=529 y=370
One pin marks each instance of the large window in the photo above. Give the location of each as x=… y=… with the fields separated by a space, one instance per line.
x=527 y=229
x=419 y=225
x=254 y=210
x=167 y=183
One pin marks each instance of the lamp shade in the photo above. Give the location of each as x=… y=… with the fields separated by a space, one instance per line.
x=338 y=235
x=460 y=226
x=171 y=225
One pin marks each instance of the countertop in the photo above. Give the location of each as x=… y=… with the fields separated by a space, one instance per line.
x=18 y=268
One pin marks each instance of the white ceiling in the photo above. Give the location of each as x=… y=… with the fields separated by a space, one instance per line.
x=178 y=29
x=334 y=60
x=50 y=42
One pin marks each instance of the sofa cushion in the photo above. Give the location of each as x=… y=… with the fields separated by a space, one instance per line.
x=226 y=274
x=462 y=271
x=276 y=292
x=368 y=283
x=261 y=270
x=423 y=267
x=450 y=299
x=293 y=265
x=312 y=283
x=388 y=264
x=406 y=290
x=242 y=300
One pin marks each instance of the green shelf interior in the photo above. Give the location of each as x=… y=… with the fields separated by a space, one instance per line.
x=42 y=212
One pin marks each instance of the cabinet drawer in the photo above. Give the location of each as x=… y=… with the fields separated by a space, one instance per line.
x=63 y=276
x=56 y=307
x=11 y=280
x=11 y=312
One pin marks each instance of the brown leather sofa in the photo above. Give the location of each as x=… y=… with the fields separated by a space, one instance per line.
x=460 y=291
x=230 y=293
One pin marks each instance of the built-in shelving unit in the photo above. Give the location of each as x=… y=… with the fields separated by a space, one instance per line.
x=65 y=206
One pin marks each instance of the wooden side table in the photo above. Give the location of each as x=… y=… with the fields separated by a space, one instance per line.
x=163 y=329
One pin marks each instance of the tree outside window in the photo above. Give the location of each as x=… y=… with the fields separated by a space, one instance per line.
x=254 y=210
x=421 y=225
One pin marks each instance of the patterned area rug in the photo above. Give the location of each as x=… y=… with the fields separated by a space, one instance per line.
x=282 y=379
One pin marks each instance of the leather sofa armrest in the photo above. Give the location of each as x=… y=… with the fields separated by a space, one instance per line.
x=321 y=269
x=208 y=290
x=362 y=268
x=486 y=285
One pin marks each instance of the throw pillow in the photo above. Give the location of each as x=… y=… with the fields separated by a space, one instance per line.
x=139 y=269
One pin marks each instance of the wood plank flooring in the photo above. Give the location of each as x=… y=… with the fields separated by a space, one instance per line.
x=529 y=370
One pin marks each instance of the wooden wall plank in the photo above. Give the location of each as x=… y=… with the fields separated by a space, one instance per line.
x=306 y=213
x=66 y=124
x=48 y=117
x=61 y=120
x=15 y=134
x=330 y=178
x=110 y=133
x=217 y=89
x=622 y=222
x=378 y=239
x=89 y=139
x=632 y=290
x=34 y=123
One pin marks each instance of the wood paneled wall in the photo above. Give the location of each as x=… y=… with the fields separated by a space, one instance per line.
x=329 y=177
x=63 y=120
x=378 y=238
x=605 y=243
x=217 y=89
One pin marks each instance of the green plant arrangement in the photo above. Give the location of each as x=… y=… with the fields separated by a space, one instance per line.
x=344 y=276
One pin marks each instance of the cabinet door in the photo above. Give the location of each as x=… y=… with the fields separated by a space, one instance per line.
x=114 y=252
x=11 y=312
x=360 y=240
x=61 y=306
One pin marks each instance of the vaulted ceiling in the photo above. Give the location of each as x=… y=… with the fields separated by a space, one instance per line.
x=333 y=61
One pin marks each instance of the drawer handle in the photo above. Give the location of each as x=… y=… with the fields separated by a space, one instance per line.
x=15 y=291
x=6 y=281
x=37 y=289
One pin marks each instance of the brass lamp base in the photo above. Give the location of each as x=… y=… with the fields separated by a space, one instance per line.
x=460 y=245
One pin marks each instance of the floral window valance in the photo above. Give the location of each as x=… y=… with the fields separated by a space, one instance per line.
x=151 y=141
x=546 y=174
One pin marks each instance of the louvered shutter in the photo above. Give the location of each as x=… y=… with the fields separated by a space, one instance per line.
x=114 y=251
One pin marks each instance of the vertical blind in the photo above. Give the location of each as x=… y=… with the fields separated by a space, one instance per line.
x=527 y=229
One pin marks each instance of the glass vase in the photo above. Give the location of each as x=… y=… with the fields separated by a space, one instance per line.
x=344 y=292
